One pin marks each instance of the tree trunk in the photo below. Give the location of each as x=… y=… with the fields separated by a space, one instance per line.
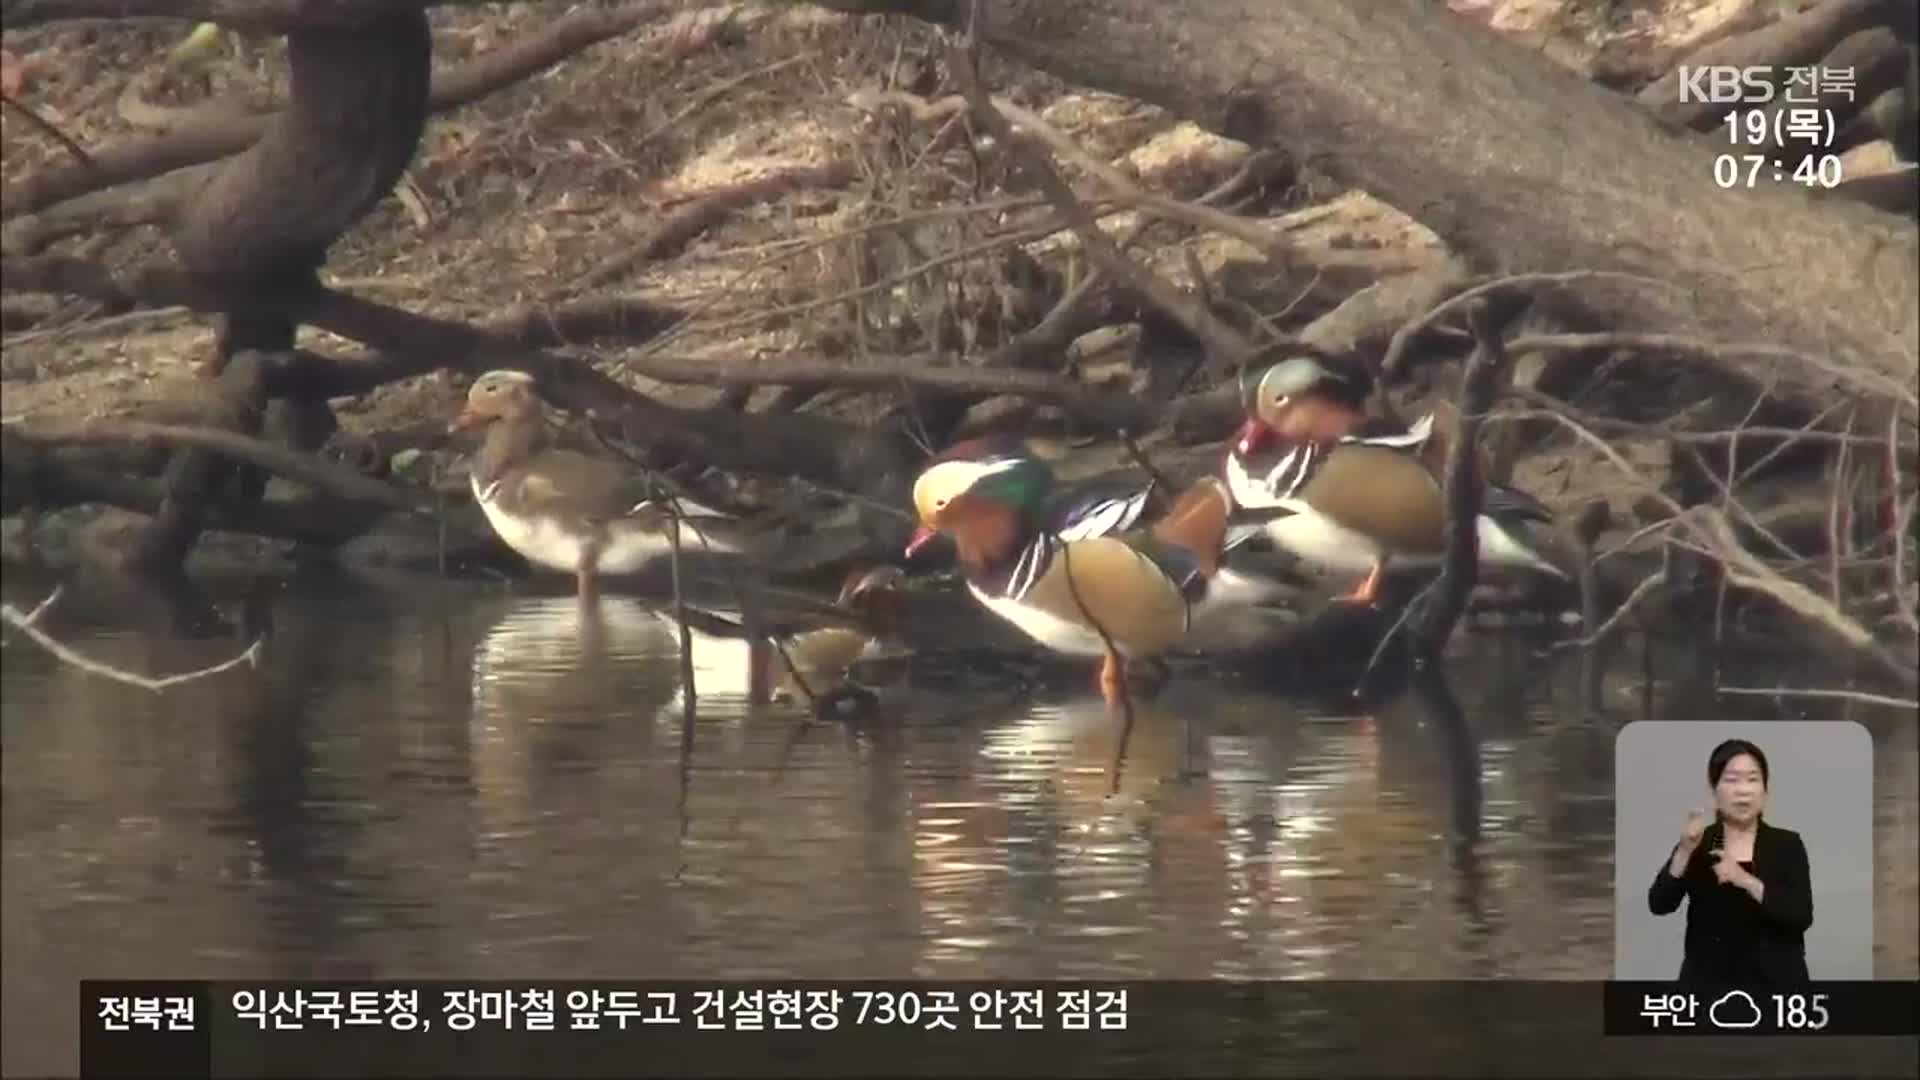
x=1518 y=163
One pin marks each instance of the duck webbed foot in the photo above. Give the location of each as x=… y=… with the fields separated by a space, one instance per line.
x=1113 y=681
x=1368 y=591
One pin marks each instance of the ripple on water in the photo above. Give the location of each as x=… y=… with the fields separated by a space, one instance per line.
x=484 y=785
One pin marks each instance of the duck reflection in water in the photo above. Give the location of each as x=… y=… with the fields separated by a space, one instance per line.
x=547 y=675
x=804 y=651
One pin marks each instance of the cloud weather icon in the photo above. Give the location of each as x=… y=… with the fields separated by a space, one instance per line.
x=1729 y=1013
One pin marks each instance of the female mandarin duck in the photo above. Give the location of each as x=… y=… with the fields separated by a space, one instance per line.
x=820 y=644
x=1316 y=476
x=1145 y=590
x=567 y=510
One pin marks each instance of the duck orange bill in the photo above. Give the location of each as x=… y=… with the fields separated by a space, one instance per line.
x=467 y=418
x=1253 y=436
x=922 y=536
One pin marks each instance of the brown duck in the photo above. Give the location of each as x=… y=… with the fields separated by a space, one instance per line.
x=567 y=510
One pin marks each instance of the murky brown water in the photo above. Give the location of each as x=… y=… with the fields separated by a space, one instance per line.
x=459 y=783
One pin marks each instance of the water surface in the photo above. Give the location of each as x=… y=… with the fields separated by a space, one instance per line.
x=470 y=783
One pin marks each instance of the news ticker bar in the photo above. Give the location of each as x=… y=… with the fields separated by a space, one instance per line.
x=575 y=1028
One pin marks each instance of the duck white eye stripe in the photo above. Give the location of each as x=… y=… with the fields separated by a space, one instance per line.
x=505 y=375
x=995 y=468
x=1413 y=436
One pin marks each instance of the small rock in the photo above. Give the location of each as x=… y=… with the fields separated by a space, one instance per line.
x=1106 y=125
x=1870 y=159
x=1185 y=161
x=1380 y=236
x=1098 y=343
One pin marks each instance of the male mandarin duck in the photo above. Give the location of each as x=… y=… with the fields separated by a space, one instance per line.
x=1054 y=569
x=1316 y=476
x=567 y=510
x=820 y=644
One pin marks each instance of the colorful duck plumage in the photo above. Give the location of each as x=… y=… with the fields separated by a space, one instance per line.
x=1312 y=474
x=1061 y=573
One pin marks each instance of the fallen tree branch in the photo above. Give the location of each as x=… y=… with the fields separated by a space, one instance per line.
x=1460 y=570
x=1119 y=411
x=1710 y=528
x=205 y=139
x=271 y=15
x=67 y=654
x=149 y=286
x=1223 y=344
x=1125 y=192
x=1794 y=40
x=332 y=479
x=1710 y=438
x=629 y=319
x=1442 y=118
x=409 y=344
x=159 y=286
x=51 y=477
x=148 y=202
x=1860 y=696
x=1706 y=350
x=1393 y=366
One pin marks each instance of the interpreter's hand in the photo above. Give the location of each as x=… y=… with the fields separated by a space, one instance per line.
x=1727 y=869
x=1695 y=828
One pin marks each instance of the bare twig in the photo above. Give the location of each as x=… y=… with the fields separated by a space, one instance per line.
x=1743 y=569
x=689 y=710
x=1640 y=592
x=1707 y=350
x=1662 y=430
x=749 y=605
x=1460 y=571
x=1715 y=534
x=1902 y=523
x=1125 y=191
x=1223 y=344
x=676 y=229
x=44 y=606
x=86 y=327
x=86 y=160
x=1861 y=696
x=1393 y=365
x=25 y=624
x=755 y=317
x=1139 y=456
x=714 y=93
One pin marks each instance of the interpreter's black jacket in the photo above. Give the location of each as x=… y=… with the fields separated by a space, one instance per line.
x=1730 y=939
